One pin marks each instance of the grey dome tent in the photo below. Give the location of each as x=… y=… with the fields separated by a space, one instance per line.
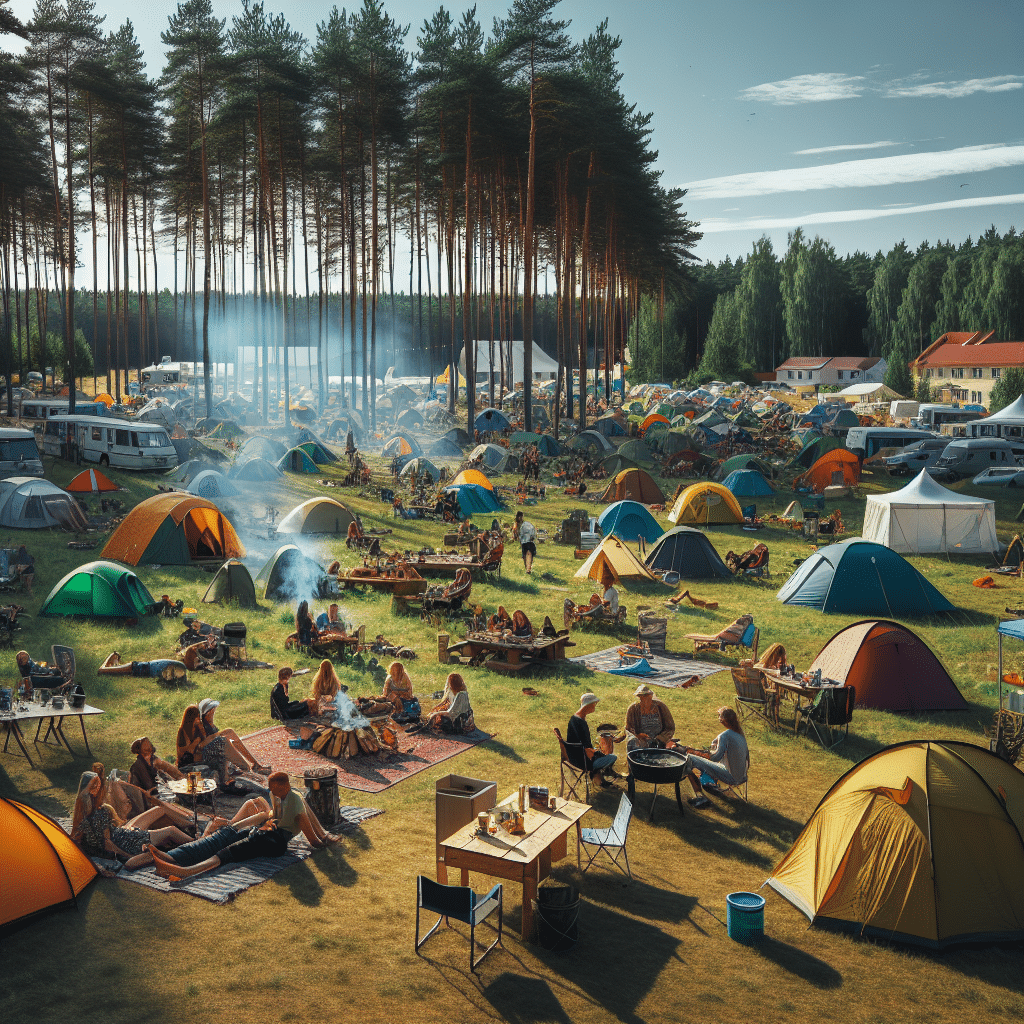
x=255 y=470
x=290 y=576
x=232 y=583
x=27 y=503
x=688 y=552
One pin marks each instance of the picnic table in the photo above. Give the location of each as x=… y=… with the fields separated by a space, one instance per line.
x=54 y=719
x=510 y=654
x=526 y=859
x=788 y=688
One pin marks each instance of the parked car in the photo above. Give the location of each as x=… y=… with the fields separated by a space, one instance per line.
x=917 y=456
x=970 y=456
x=1000 y=476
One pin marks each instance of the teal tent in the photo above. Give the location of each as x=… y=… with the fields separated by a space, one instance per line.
x=421 y=465
x=609 y=426
x=474 y=499
x=317 y=452
x=629 y=520
x=296 y=461
x=860 y=577
x=814 y=449
x=100 y=589
x=212 y=484
x=747 y=483
x=743 y=462
x=550 y=446
x=445 y=448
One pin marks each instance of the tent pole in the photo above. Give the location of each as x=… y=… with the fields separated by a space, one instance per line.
x=999 y=716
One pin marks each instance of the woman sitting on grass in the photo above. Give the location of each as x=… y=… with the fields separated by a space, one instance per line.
x=205 y=743
x=397 y=686
x=325 y=686
x=453 y=713
x=144 y=773
x=97 y=829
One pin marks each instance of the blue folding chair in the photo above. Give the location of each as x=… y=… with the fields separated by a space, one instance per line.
x=460 y=902
x=608 y=839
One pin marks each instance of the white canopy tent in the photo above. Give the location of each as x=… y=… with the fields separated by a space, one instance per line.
x=544 y=367
x=924 y=518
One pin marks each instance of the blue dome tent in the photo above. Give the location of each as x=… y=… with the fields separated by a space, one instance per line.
x=492 y=419
x=474 y=499
x=747 y=483
x=629 y=520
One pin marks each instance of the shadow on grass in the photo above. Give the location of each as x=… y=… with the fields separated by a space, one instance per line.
x=515 y=586
x=525 y=1000
x=503 y=750
x=800 y=963
x=637 y=897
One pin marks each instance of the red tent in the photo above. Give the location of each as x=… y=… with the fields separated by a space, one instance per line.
x=91 y=481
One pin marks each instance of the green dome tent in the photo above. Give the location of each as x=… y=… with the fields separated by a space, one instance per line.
x=232 y=583
x=859 y=577
x=296 y=461
x=100 y=589
x=317 y=452
x=290 y=575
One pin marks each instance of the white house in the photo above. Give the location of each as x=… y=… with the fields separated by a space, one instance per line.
x=818 y=371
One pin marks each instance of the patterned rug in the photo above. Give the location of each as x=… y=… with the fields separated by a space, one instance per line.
x=672 y=670
x=366 y=773
x=223 y=883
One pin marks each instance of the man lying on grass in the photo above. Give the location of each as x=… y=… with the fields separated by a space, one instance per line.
x=269 y=839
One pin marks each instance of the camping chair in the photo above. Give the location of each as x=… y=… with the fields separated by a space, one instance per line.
x=63 y=658
x=829 y=715
x=751 y=563
x=722 y=788
x=575 y=773
x=752 y=698
x=460 y=902
x=737 y=634
x=608 y=839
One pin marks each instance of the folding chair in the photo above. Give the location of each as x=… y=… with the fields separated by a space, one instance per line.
x=829 y=715
x=63 y=658
x=575 y=773
x=608 y=839
x=752 y=698
x=460 y=902
x=721 y=788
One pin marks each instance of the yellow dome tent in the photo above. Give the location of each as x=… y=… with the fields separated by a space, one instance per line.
x=704 y=503
x=472 y=476
x=40 y=868
x=613 y=555
x=174 y=529
x=443 y=378
x=920 y=843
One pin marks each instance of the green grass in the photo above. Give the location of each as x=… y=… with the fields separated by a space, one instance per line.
x=331 y=938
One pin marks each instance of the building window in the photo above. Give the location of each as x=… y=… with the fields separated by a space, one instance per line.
x=957 y=373
x=996 y=371
x=839 y=375
x=975 y=372
x=854 y=374
x=799 y=374
x=789 y=373
x=928 y=372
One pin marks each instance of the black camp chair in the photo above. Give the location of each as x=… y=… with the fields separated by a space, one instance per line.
x=829 y=715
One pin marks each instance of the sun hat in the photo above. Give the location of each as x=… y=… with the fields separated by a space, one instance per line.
x=206 y=705
x=587 y=699
x=643 y=690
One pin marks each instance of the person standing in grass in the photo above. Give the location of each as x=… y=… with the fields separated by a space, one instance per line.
x=527 y=534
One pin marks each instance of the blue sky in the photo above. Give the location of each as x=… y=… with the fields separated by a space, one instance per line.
x=865 y=123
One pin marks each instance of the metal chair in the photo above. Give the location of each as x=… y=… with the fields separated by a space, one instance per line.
x=829 y=715
x=752 y=697
x=722 y=788
x=608 y=839
x=575 y=773
x=460 y=902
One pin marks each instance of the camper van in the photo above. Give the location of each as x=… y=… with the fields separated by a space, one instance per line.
x=932 y=416
x=867 y=441
x=917 y=456
x=118 y=443
x=970 y=456
x=19 y=455
x=43 y=409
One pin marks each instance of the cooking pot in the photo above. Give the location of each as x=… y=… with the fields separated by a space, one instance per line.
x=652 y=764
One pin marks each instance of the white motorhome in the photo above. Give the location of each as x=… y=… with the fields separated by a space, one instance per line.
x=972 y=455
x=19 y=454
x=867 y=441
x=118 y=443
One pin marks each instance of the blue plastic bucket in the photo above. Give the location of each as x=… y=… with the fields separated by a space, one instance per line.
x=745 y=916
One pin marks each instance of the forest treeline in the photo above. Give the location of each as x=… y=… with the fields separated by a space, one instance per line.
x=289 y=168
x=752 y=314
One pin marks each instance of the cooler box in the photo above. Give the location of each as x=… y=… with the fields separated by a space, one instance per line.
x=457 y=802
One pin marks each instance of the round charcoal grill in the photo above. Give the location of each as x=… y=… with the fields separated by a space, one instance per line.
x=660 y=767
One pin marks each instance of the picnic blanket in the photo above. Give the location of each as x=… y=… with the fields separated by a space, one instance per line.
x=668 y=670
x=368 y=773
x=223 y=883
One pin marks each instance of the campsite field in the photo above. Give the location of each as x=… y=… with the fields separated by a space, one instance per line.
x=332 y=938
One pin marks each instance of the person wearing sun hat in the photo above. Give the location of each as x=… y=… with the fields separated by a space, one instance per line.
x=649 y=722
x=580 y=747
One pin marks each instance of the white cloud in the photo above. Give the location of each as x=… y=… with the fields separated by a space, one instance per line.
x=837 y=149
x=954 y=90
x=715 y=226
x=806 y=89
x=885 y=170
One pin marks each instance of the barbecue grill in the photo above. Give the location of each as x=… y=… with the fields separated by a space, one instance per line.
x=660 y=767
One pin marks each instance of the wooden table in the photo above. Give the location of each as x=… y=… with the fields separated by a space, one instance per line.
x=55 y=726
x=512 y=657
x=788 y=688
x=526 y=859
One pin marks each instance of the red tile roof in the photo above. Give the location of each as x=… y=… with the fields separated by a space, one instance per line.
x=852 y=362
x=992 y=353
x=804 y=362
x=833 y=363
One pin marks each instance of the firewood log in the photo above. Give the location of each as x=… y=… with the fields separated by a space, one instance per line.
x=367 y=741
x=353 y=744
x=337 y=743
x=323 y=741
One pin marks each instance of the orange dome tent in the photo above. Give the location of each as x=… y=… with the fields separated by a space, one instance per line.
x=40 y=868
x=472 y=476
x=91 y=481
x=654 y=417
x=634 y=485
x=839 y=467
x=174 y=529
x=107 y=400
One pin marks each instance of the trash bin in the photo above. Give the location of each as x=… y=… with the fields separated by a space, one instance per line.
x=744 y=916
x=557 y=910
x=322 y=795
